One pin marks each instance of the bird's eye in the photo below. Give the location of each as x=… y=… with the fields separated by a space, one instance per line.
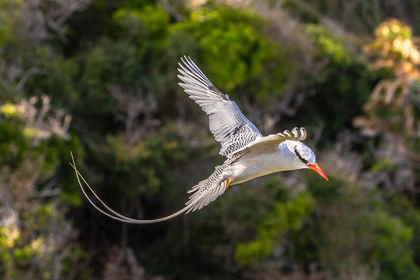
x=300 y=157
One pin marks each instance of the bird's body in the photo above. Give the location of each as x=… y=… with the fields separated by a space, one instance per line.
x=255 y=164
x=248 y=153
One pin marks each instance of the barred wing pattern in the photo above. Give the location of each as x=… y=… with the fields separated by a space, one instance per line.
x=227 y=123
x=273 y=140
x=208 y=190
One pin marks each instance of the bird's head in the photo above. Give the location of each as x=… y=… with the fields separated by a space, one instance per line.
x=304 y=157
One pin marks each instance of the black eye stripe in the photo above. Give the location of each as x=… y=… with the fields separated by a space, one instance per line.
x=300 y=157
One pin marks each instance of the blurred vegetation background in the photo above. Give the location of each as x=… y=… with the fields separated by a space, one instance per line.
x=98 y=78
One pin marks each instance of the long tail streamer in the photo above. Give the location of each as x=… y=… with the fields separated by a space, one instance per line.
x=115 y=215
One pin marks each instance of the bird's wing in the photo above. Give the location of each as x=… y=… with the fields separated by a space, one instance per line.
x=214 y=186
x=205 y=193
x=273 y=140
x=227 y=123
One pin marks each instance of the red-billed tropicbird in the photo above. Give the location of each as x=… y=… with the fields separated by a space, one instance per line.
x=248 y=153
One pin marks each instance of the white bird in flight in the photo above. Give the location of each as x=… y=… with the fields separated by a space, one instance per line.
x=248 y=153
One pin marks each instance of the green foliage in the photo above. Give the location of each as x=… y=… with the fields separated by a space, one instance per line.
x=329 y=45
x=27 y=239
x=21 y=247
x=393 y=249
x=56 y=79
x=142 y=167
x=234 y=39
x=336 y=92
x=145 y=25
x=285 y=216
x=237 y=36
x=382 y=164
x=350 y=220
x=137 y=141
x=13 y=144
x=108 y=64
x=9 y=15
x=338 y=221
x=17 y=145
x=10 y=110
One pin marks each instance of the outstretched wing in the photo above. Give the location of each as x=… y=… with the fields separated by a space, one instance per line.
x=273 y=140
x=227 y=123
x=214 y=186
x=205 y=193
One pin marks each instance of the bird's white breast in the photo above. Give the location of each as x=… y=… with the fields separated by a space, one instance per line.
x=254 y=164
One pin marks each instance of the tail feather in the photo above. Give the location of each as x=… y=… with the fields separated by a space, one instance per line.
x=202 y=194
x=193 y=189
x=115 y=215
